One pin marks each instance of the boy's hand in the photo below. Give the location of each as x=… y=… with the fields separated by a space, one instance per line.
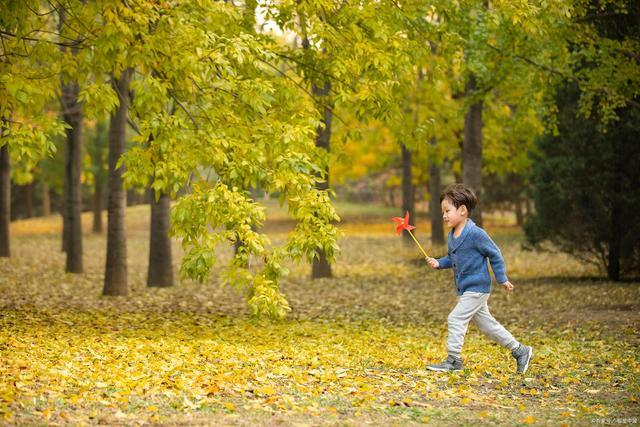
x=508 y=285
x=433 y=263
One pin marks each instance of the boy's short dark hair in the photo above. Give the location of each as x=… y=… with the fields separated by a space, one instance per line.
x=460 y=194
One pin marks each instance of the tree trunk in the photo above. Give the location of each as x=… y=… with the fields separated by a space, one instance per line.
x=160 y=262
x=46 y=199
x=99 y=146
x=472 y=149
x=115 y=277
x=28 y=194
x=528 y=207
x=320 y=265
x=435 y=188
x=72 y=113
x=408 y=204
x=5 y=199
x=97 y=206
x=616 y=232
x=519 y=213
x=64 y=209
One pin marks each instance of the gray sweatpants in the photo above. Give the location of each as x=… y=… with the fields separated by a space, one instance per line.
x=473 y=305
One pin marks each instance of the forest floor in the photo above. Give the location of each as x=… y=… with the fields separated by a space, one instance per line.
x=352 y=351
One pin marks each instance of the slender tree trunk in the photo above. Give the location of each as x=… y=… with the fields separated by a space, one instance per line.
x=519 y=213
x=616 y=232
x=72 y=114
x=472 y=149
x=73 y=198
x=408 y=204
x=5 y=199
x=160 y=262
x=64 y=210
x=46 y=199
x=115 y=278
x=97 y=206
x=28 y=193
x=320 y=265
x=100 y=145
x=435 y=188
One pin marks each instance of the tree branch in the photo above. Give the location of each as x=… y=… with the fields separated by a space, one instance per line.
x=75 y=44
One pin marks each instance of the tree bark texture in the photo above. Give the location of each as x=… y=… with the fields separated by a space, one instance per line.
x=160 y=272
x=28 y=192
x=66 y=229
x=46 y=199
x=435 y=188
x=5 y=199
x=616 y=232
x=519 y=212
x=115 y=278
x=472 y=149
x=100 y=144
x=97 y=206
x=320 y=266
x=72 y=113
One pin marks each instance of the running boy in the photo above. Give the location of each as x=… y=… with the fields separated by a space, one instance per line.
x=469 y=248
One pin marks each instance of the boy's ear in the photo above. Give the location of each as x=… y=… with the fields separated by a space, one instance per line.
x=464 y=210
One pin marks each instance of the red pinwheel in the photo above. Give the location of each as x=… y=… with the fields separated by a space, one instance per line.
x=403 y=224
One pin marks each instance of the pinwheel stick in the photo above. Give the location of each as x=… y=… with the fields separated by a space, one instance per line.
x=418 y=243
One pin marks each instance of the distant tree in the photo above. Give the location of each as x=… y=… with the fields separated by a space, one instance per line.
x=5 y=198
x=586 y=188
x=160 y=272
x=506 y=192
x=28 y=82
x=73 y=117
x=115 y=277
x=96 y=170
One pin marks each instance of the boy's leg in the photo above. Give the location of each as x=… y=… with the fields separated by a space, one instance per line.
x=489 y=326
x=494 y=330
x=468 y=305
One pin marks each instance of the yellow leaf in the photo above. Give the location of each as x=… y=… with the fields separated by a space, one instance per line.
x=212 y=389
x=152 y=408
x=530 y=419
x=266 y=391
x=230 y=406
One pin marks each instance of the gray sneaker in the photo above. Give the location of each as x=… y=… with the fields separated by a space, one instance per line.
x=523 y=355
x=451 y=364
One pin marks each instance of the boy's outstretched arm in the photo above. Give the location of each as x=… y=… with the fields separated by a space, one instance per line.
x=439 y=263
x=488 y=248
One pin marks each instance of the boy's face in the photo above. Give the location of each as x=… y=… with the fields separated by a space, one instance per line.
x=451 y=215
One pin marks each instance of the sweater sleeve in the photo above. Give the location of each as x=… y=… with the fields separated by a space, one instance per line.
x=444 y=262
x=489 y=249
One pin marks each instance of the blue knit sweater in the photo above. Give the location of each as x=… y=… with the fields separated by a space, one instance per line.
x=469 y=255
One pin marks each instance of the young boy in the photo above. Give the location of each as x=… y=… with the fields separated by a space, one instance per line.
x=469 y=248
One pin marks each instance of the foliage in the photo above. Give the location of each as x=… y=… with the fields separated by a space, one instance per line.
x=29 y=82
x=220 y=106
x=585 y=188
x=214 y=114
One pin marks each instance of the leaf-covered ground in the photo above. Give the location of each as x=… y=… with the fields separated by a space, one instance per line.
x=351 y=352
